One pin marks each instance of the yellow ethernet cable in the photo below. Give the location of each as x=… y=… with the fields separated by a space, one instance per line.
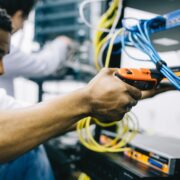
x=127 y=128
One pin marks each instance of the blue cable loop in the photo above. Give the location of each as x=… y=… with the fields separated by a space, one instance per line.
x=139 y=37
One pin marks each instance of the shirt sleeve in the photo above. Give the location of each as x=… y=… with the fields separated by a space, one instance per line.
x=40 y=64
x=7 y=102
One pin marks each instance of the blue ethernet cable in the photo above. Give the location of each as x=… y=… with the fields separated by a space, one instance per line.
x=139 y=37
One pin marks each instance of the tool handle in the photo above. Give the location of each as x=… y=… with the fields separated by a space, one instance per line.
x=139 y=78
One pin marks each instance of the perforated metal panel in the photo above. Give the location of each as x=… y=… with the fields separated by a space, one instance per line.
x=58 y=17
x=160 y=7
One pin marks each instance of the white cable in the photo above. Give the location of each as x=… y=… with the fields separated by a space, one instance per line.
x=100 y=56
x=112 y=30
x=119 y=11
x=81 y=12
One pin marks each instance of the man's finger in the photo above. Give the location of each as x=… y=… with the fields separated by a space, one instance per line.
x=134 y=92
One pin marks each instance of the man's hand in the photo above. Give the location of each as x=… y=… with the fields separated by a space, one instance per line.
x=66 y=40
x=72 y=47
x=110 y=98
x=106 y=97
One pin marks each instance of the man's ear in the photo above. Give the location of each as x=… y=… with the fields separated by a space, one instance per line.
x=18 y=14
x=17 y=20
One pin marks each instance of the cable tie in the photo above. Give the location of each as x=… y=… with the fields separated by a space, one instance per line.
x=159 y=64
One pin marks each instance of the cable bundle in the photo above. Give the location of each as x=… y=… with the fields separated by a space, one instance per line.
x=105 y=37
x=139 y=37
x=108 y=20
x=127 y=128
x=105 y=29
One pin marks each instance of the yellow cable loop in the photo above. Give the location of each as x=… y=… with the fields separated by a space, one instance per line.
x=124 y=133
x=104 y=124
x=99 y=46
x=119 y=135
x=88 y=141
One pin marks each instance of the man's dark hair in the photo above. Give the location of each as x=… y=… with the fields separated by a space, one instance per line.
x=12 y=6
x=5 y=21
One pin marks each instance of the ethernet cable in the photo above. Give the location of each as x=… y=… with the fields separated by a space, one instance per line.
x=123 y=36
x=113 y=20
x=109 y=43
x=109 y=52
x=100 y=43
x=110 y=18
x=104 y=24
x=139 y=37
x=116 y=21
x=81 y=12
x=125 y=133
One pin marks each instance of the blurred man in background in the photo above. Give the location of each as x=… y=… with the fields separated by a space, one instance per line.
x=40 y=64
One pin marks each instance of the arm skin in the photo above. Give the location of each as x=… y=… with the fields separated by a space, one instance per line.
x=105 y=97
x=145 y=95
x=23 y=129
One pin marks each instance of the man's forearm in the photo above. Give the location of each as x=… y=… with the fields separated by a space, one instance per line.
x=22 y=130
x=105 y=97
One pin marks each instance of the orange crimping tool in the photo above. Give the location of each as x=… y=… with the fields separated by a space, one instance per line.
x=144 y=79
